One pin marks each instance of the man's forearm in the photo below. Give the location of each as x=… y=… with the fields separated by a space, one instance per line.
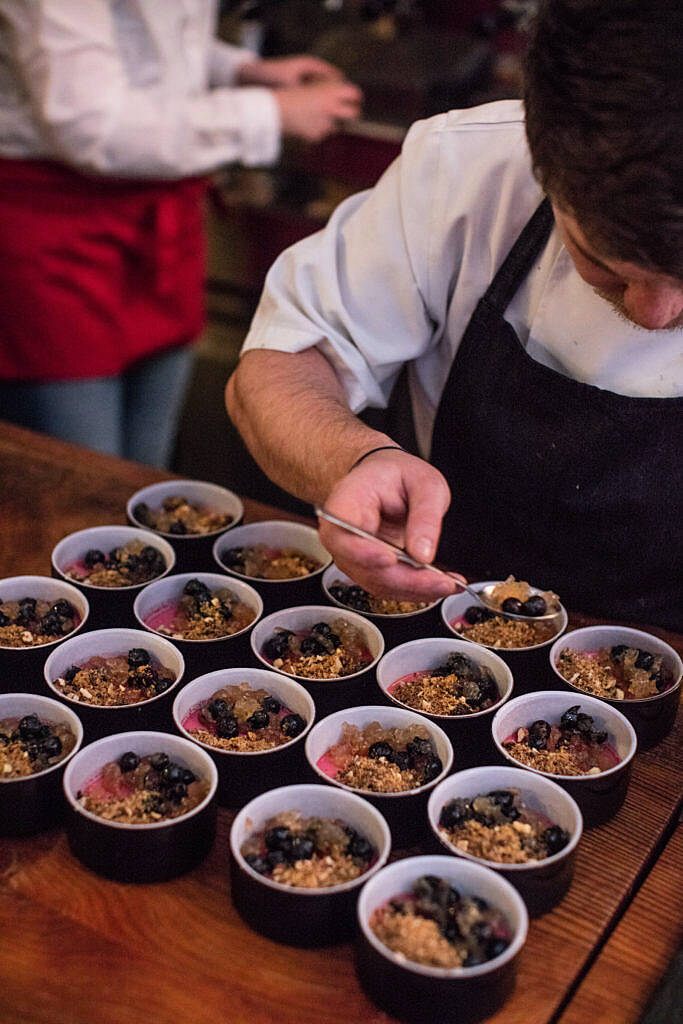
x=291 y=411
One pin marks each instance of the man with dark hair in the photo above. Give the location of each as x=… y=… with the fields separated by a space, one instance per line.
x=530 y=273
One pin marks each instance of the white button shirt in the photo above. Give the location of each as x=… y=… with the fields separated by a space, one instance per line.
x=395 y=276
x=131 y=88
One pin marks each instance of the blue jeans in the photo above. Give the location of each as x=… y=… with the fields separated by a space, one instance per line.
x=133 y=415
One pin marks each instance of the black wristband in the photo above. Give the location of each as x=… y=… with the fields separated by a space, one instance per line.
x=382 y=448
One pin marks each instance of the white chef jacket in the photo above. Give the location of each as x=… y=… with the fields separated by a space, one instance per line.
x=132 y=88
x=395 y=276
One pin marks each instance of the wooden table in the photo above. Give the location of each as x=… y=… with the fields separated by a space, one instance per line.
x=77 y=949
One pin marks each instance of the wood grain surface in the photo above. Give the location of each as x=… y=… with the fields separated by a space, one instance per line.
x=77 y=949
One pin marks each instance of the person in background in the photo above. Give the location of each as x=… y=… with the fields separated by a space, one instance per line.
x=112 y=113
x=526 y=262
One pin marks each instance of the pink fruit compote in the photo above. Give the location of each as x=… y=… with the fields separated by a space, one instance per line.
x=202 y=614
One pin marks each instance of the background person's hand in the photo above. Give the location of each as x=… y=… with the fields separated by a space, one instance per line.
x=287 y=71
x=311 y=112
x=402 y=499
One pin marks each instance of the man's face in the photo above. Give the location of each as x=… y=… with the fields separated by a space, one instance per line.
x=645 y=297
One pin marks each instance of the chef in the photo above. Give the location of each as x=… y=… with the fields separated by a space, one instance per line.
x=111 y=115
x=526 y=262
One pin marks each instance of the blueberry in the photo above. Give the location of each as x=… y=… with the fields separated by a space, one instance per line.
x=259 y=720
x=188 y=776
x=51 y=625
x=275 y=857
x=432 y=769
x=30 y=727
x=63 y=609
x=115 y=557
x=477 y=613
x=418 y=746
x=258 y=864
x=198 y=590
x=277 y=646
x=129 y=761
x=496 y=945
x=309 y=646
x=323 y=628
x=534 y=605
x=171 y=774
x=94 y=557
x=539 y=732
x=271 y=705
x=143 y=514
x=138 y=656
x=660 y=678
x=323 y=633
x=401 y=758
x=618 y=651
x=503 y=798
x=177 y=527
x=292 y=725
x=27 y=608
x=161 y=684
x=4 y=738
x=462 y=666
x=133 y=564
x=357 y=598
x=436 y=890
x=219 y=708
x=455 y=813
x=380 y=749
x=151 y=556
x=233 y=558
x=569 y=719
x=159 y=761
x=227 y=727
x=360 y=848
x=71 y=673
x=302 y=848
x=512 y=604
x=51 y=746
x=644 y=660
x=278 y=838
x=555 y=839
x=488 y=688
x=177 y=792
x=4 y=619
x=481 y=905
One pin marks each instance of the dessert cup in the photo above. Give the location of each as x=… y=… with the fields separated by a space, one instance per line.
x=242 y=775
x=109 y=606
x=151 y=852
x=422 y=994
x=541 y=883
x=35 y=802
x=651 y=717
x=193 y=551
x=277 y=534
x=21 y=668
x=529 y=665
x=101 y=720
x=200 y=655
x=406 y=812
x=470 y=734
x=599 y=796
x=290 y=914
x=329 y=694
x=396 y=628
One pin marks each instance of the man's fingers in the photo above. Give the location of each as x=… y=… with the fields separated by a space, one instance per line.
x=428 y=500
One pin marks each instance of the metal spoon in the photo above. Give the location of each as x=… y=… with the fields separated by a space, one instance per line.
x=483 y=596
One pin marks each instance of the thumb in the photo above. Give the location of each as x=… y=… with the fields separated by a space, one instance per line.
x=428 y=499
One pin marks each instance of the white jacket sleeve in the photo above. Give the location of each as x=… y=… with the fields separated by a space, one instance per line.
x=96 y=118
x=359 y=289
x=225 y=61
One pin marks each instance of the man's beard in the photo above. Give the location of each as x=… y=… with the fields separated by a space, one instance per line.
x=617 y=304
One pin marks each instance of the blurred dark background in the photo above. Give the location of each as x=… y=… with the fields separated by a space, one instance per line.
x=412 y=59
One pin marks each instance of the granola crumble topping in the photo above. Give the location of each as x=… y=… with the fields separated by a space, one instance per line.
x=382 y=760
x=458 y=687
x=202 y=614
x=508 y=633
x=32 y=622
x=243 y=719
x=619 y=672
x=113 y=680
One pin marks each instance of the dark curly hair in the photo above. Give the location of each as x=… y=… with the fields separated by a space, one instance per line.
x=604 y=121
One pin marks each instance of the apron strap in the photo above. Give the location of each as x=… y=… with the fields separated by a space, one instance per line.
x=518 y=261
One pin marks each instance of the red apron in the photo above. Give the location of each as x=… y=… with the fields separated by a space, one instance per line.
x=96 y=273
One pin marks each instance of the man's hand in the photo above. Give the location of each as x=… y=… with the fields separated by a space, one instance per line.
x=284 y=72
x=313 y=111
x=402 y=499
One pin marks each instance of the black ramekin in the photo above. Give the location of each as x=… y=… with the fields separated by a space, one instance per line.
x=193 y=551
x=395 y=628
x=329 y=694
x=651 y=717
x=109 y=606
x=599 y=796
x=406 y=813
x=35 y=802
x=540 y=883
x=102 y=720
x=529 y=665
x=242 y=775
x=290 y=914
x=277 y=533
x=21 y=668
x=200 y=655
x=427 y=995
x=140 y=853
x=469 y=734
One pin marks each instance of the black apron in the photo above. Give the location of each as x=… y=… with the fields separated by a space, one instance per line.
x=565 y=485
